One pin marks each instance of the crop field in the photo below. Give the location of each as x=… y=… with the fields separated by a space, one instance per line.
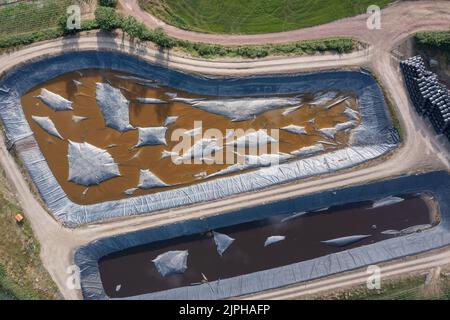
x=30 y=16
x=254 y=16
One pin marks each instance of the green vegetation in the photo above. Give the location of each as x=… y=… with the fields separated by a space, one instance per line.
x=341 y=45
x=108 y=19
x=434 y=40
x=22 y=275
x=108 y=3
x=254 y=16
x=406 y=288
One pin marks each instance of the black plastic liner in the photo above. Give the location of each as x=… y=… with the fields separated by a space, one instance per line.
x=437 y=183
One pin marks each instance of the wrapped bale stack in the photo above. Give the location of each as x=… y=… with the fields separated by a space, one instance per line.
x=430 y=98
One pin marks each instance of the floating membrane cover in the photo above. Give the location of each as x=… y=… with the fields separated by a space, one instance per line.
x=171 y=262
x=152 y=136
x=114 y=107
x=329 y=133
x=170 y=120
x=273 y=239
x=47 y=124
x=374 y=137
x=148 y=180
x=307 y=151
x=89 y=165
x=55 y=101
x=222 y=242
x=202 y=149
x=345 y=241
x=254 y=139
x=386 y=201
x=150 y=101
x=294 y=129
x=234 y=110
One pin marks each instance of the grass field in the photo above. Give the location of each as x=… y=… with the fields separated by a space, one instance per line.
x=29 y=16
x=22 y=275
x=254 y=16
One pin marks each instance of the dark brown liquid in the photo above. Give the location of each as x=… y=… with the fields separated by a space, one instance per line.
x=134 y=270
x=129 y=159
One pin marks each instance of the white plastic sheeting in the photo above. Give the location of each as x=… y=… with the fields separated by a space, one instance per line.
x=254 y=139
x=294 y=216
x=337 y=102
x=295 y=129
x=329 y=133
x=89 y=165
x=114 y=107
x=150 y=101
x=130 y=191
x=170 y=120
x=273 y=239
x=171 y=262
x=55 y=101
x=308 y=151
x=47 y=124
x=222 y=242
x=386 y=201
x=345 y=241
x=322 y=98
x=152 y=136
x=78 y=119
x=290 y=110
x=345 y=125
x=251 y=162
x=245 y=108
x=351 y=114
x=148 y=180
x=201 y=150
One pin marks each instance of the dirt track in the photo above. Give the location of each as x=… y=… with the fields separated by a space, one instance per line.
x=421 y=150
x=400 y=16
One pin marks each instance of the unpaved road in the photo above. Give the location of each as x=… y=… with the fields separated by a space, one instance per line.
x=356 y=278
x=403 y=16
x=421 y=151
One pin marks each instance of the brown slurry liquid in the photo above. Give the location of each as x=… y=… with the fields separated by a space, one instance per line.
x=134 y=270
x=120 y=145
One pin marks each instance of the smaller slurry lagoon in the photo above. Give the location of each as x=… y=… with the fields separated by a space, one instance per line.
x=272 y=245
x=93 y=130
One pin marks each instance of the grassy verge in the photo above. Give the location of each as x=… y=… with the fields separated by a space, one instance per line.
x=405 y=288
x=437 y=46
x=108 y=19
x=253 y=16
x=22 y=275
